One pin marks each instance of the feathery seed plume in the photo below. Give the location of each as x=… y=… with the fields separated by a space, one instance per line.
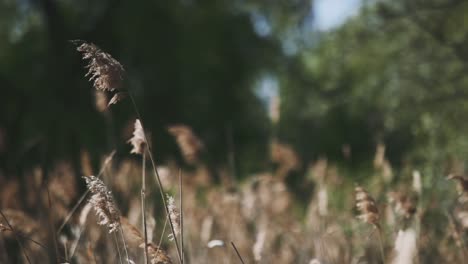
x=103 y=203
x=367 y=207
x=103 y=69
x=188 y=142
x=173 y=216
x=138 y=140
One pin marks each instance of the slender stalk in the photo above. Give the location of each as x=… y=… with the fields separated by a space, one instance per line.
x=66 y=251
x=118 y=248
x=162 y=233
x=75 y=243
x=158 y=178
x=238 y=254
x=124 y=243
x=16 y=237
x=165 y=205
x=181 y=224
x=143 y=205
x=381 y=245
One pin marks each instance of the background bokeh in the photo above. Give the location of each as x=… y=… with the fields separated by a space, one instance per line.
x=341 y=82
x=349 y=74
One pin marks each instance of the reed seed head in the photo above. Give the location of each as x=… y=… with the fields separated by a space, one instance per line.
x=138 y=140
x=367 y=207
x=174 y=216
x=190 y=145
x=103 y=203
x=103 y=69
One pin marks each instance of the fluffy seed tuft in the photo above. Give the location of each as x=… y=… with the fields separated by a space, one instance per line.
x=103 y=69
x=173 y=216
x=366 y=206
x=103 y=203
x=138 y=140
x=188 y=142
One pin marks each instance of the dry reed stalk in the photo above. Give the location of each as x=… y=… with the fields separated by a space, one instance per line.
x=405 y=247
x=237 y=252
x=369 y=213
x=155 y=253
x=107 y=75
x=158 y=179
x=139 y=147
x=189 y=144
x=257 y=248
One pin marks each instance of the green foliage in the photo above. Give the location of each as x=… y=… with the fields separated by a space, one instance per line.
x=191 y=62
x=394 y=74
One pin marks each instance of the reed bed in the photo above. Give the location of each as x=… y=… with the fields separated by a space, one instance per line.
x=159 y=213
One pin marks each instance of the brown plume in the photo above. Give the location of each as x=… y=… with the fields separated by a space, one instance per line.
x=367 y=207
x=104 y=70
x=103 y=203
x=188 y=142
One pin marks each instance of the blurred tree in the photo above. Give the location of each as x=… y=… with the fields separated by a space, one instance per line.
x=191 y=62
x=394 y=74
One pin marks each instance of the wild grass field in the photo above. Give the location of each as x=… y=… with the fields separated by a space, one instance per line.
x=130 y=209
x=231 y=131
